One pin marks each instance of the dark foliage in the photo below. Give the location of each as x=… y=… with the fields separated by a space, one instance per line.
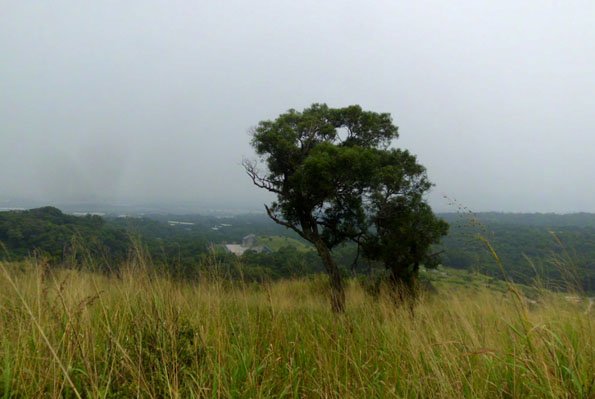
x=61 y=238
x=336 y=180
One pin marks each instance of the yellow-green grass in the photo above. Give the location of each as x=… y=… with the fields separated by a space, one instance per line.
x=80 y=334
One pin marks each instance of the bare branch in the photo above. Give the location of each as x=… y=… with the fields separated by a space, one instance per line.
x=276 y=219
x=258 y=181
x=436 y=254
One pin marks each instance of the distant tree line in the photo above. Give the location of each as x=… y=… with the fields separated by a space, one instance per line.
x=60 y=238
x=557 y=251
x=536 y=247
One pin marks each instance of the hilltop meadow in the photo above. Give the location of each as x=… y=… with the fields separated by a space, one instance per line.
x=277 y=199
x=77 y=333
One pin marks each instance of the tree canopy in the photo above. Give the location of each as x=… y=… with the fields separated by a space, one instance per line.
x=337 y=179
x=59 y=236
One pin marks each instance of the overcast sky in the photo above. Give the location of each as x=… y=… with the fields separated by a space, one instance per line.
x=151 y=101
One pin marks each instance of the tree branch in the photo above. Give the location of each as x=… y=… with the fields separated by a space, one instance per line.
x=276 y=219
x=436 y=254
x=258 y=181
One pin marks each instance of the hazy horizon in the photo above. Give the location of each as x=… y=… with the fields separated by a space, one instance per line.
x=149 y=102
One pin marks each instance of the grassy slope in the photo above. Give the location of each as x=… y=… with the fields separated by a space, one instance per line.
x=75 y=333
x=449 y=278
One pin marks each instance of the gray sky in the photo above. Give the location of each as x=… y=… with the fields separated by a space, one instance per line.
x=151 y=101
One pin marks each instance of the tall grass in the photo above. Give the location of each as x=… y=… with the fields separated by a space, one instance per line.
x=70 y=333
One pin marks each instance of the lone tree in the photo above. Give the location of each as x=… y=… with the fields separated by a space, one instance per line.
x=402 y=226
x=330 y=168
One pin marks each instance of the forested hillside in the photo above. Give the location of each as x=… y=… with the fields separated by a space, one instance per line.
x=59 y=237
x=177 y=244
x=555 y=250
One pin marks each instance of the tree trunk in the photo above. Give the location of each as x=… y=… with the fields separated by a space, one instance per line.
x=309 y=231
x=336 y=282
x=404 y=285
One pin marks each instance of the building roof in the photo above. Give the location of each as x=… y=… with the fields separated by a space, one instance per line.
x=236 y=249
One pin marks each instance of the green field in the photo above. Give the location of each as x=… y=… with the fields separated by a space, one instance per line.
x=67 y=333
